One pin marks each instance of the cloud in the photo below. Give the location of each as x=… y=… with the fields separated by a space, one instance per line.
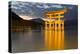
x=39 y=6
x=70 y=7
x=46 y=6
x=57 y=6
x=26 y=17
x=14 y=7
x=14 y=3
x=34 y=9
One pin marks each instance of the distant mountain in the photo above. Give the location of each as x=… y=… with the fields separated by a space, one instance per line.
x=16 y=23
x=72 y=22
x=15 y=20
x=38 y=20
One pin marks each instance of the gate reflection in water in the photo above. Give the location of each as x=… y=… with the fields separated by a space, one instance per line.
x=54 y=39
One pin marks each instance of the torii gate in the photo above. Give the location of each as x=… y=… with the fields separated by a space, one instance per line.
x=54 y=29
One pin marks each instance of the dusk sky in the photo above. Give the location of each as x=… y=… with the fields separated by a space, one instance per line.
x=32 y=10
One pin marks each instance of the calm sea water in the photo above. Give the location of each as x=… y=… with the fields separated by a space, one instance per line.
x=30 y=39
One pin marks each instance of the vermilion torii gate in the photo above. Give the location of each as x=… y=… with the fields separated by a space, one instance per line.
x=54 y=29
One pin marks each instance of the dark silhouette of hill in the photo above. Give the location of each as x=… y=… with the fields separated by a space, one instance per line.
x=18 y=21
x=38 y=20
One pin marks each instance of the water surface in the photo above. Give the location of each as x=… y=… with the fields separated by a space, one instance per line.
x=29 y=39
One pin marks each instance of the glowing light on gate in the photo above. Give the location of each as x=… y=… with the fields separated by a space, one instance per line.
x=54 y=30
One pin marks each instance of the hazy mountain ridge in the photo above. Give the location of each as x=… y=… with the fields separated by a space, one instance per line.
x=18 y=21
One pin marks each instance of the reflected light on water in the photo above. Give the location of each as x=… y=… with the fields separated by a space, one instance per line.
x=54 y=39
